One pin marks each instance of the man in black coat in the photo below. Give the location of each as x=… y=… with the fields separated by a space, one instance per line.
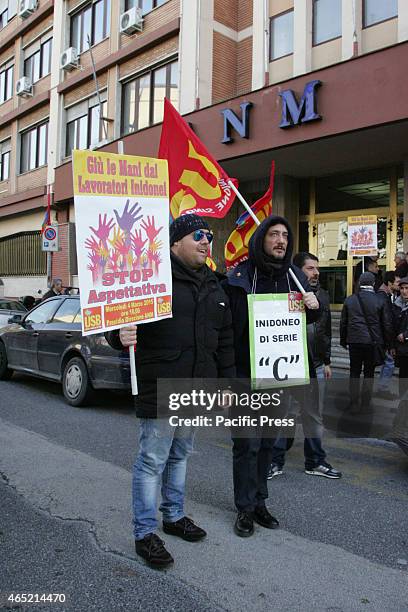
x=365 y=321
x=195 y=343
x=319 y=336
x=265 y=271
x=56 y=289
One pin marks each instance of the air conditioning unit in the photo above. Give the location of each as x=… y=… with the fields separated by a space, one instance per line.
x=131 y=21
x=24 y=87
x=26 y=8
x=69 y=59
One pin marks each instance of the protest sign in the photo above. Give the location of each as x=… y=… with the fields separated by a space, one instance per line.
x=277 y=340
x=362 y=235
x=121 y=214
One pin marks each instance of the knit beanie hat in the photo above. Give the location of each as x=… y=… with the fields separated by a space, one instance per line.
x=185 y=225
x=367 y=278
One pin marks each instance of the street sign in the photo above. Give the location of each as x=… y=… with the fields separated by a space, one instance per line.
x=50 y=238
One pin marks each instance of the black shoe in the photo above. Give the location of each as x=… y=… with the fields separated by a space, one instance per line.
x=186 y=529
x=244 y=525
x=324 y=469
x=152 y=550
x=263 y=517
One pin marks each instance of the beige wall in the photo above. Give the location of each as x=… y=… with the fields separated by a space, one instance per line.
x=22 y=223
x=326 y=54
x=281 y=69
x=379 y=36
x=279 y=6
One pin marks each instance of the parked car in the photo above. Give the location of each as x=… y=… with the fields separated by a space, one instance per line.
x=47 y=342
x=8 y=308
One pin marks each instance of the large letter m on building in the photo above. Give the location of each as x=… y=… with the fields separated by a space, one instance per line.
x=294 y=113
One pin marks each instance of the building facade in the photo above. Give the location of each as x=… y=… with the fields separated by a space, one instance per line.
x=318 y=86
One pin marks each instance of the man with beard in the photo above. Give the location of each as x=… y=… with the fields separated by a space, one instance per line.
x=319 y=346
x=265 y=271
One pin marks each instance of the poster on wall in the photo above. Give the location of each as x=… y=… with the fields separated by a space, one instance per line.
x=362 y=235
x=278 y=340
x=122 y=237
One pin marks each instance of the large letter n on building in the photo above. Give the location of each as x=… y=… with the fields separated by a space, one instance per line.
x=294 y=113
x=231 y=120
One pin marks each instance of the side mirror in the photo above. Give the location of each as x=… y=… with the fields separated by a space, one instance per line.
x=17 y=318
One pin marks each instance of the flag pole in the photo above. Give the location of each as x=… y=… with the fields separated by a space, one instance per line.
x=255 y=218
x=133 y=375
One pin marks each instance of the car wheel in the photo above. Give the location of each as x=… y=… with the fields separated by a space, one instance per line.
x=5 y=372
x=75 y=383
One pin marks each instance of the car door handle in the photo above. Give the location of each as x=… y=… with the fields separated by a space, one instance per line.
x=68 y=335
x=35 y=334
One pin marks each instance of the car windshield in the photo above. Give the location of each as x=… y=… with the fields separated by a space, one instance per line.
x=11 y=305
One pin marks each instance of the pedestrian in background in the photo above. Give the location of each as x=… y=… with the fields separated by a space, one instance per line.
x=319 y=336
x=389 y=291
x=195 y=343
x=401 y=264
x=366 y=328
x=56 y=289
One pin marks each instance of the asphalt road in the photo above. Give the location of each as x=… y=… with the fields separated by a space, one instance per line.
x=343 y=545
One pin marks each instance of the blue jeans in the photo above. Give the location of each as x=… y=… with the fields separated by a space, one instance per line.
x=163 y=452
x=387 y=370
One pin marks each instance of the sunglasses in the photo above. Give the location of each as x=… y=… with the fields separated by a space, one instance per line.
x=198 y=235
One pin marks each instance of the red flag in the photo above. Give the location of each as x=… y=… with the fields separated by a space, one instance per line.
x=236 y=247
x=198 y=184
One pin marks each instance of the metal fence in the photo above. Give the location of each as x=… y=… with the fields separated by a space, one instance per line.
x=21 y=255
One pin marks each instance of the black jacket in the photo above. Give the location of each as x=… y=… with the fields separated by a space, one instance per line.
x=353 y=326
x=400 y=310
x=195 y=343
x=319 y=334
x=240 y=281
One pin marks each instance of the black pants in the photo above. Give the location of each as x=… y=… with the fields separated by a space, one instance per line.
x=313 y=451
x=403 y=376
x=251 y=462
x=361 y=357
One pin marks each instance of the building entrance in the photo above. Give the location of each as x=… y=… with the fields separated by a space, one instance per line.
x=325 y=229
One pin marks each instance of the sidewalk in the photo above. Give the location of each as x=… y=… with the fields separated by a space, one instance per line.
x=269 y=571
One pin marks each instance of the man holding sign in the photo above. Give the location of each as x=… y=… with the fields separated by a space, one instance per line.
x=266 y=274
x=195 y=343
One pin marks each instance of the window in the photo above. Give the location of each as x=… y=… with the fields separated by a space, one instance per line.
x=42 y=313
x=375 y=11
x=8 y=10
x=93 y=21
x=38 y=64
x=281 y=35
x=5 y=148
x=67 y=311
x=326 y=20
x=143 y=98
x=84 y=126
x=145 y=5
x=34 y=148
x=6 y=83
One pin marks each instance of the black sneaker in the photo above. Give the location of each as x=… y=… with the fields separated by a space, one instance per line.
x=152 y=550
x=325 y=469
x=186 y=529
x=244 y=524
x=263 y=517
x=274 y=470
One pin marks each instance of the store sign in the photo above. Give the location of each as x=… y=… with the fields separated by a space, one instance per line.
x=50 y=238
x=362 y=235
x=293 y=112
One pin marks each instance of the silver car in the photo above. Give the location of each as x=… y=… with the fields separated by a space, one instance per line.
x=9 y=308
